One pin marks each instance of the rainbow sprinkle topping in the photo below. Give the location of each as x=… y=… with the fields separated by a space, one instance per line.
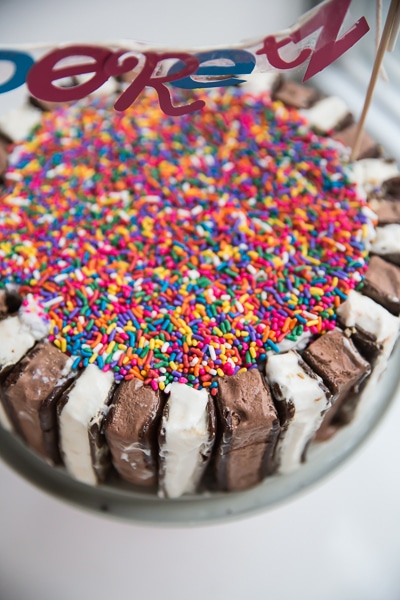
x=180 y=249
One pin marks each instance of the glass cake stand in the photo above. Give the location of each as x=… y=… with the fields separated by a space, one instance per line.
x=120 y=501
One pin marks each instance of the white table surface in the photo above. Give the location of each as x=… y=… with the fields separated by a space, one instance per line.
x=339 y=541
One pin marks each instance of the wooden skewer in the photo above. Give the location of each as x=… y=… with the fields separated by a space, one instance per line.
x=387 y=37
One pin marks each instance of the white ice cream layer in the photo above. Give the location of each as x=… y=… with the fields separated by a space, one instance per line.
x=365 y=314
x=370 y=173
x=186 y=439
x=258 y=83
x=309 y=402
x=86 y=403
x=362 y=312
x=15 y=341
x=33 y=318
x=387 y=240
x=327 y=113
x=18 y=123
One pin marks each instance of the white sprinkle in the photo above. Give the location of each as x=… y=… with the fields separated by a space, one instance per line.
x=239 y=306
x=194 y=361
x=309 y=315
x=55 y=300
x=197 y=210
x=164 y=347
x=200 y=230
x=211 y=351
x=193 y=274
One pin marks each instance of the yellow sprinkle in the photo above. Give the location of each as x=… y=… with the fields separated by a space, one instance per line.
x=93 y=358
x=110 y=347
x=63 y=345
x=316 y=290
x=313 y=260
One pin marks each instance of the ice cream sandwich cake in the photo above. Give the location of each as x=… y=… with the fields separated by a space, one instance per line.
x=190 y=302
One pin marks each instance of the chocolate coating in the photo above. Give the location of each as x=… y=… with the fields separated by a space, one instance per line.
x=10 y=301
x=131 y=428
x=32 y=390
x=3 y=159
x=44 y=105
x=335 y=358
x=248 y=429
x=388 y=211
x=382 y=284
x=368 y=149
x=296 y=94
x=391 y=188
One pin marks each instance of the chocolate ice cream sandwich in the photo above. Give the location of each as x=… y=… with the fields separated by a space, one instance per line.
x=19 y=122
x=387 y=211
x=330 y=113
x=368 y=147
x=81 y=413
x=301 y=399
x=370 y=173
x=248 y=431
x=186 y=440
x=296 y=94
x=382 y=284
x=31 y=392
x=336 y=360
x=387 y=243
x=18 y=334
x=372 y=328
x=131 y=430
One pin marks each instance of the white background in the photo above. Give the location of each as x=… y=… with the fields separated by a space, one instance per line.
x=339 y=541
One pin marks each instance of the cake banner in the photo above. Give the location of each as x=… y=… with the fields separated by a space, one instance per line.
x=69 y=72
